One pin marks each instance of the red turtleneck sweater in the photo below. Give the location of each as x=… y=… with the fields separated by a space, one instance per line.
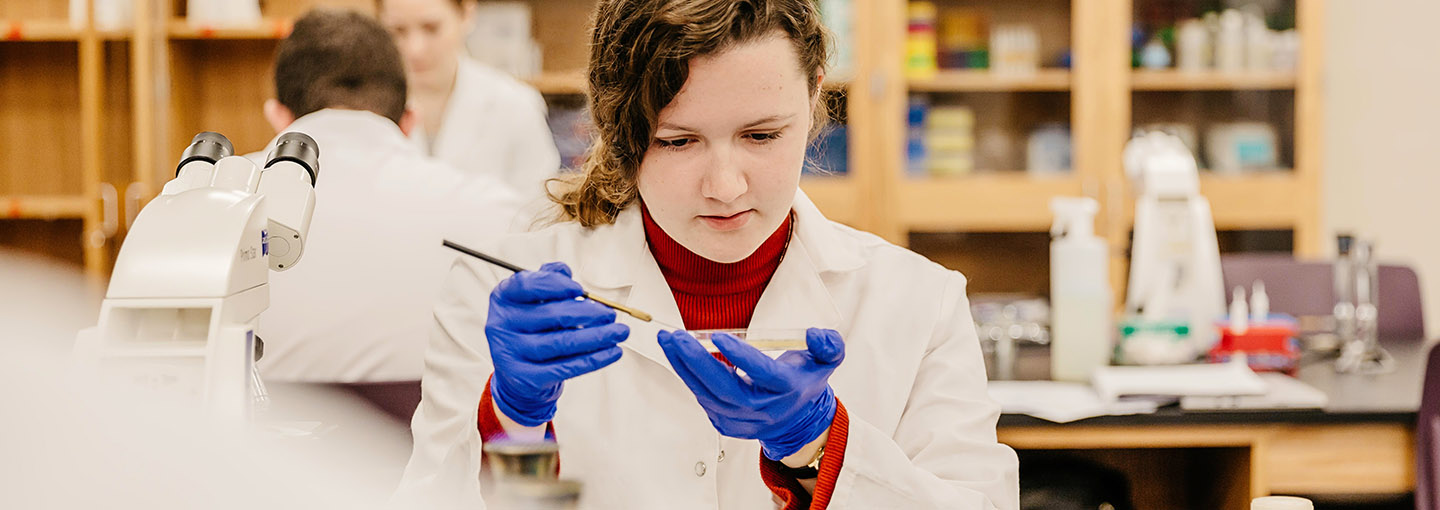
x=714 y=295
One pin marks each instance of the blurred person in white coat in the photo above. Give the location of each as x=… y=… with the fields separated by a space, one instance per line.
x=357 y=306
x=475 y=118
x=689 y=208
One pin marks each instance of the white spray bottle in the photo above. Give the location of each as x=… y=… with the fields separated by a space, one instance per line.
x=1080 y=298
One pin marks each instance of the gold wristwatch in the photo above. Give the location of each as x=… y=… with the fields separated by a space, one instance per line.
x=809 y=471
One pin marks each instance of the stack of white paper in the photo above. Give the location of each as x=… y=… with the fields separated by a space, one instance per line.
x=1060 y=402
x=1284 y=392
x=1212 y=379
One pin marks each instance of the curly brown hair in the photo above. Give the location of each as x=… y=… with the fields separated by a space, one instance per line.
x=640 y=52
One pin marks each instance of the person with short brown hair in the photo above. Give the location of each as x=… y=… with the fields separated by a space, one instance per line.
x=357 y=307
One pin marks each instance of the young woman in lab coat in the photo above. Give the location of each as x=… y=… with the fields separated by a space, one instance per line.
x=477 y=119
x=689 y=208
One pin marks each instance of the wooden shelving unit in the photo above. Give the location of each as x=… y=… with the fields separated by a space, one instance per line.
x=108 y=84
x=65 y=107
x=1106 y=99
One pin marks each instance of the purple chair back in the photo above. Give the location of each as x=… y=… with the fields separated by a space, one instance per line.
x=397 y=399
x=1427 y=438
x=1307 y=288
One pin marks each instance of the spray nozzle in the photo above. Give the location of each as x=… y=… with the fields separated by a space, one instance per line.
x=1074 y=216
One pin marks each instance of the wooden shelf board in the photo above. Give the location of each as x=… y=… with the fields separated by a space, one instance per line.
x=268 y=28
x=982 y=80
x=981 y=202
x=1211 y=80
x=559 y=83
x=572 y=83
x=42 y=206
x=1257 y=201
x=38 y=30
x=837 y=196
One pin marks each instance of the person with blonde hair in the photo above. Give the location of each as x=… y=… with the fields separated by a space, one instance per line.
x=689 y=208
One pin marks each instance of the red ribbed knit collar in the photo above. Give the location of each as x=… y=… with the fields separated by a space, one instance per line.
x=689 y=273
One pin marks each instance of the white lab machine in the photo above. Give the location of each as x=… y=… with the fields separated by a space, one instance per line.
x=1175 y=264
x=190 y=281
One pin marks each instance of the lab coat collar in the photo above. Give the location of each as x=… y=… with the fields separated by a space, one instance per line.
x=468 y=96
x=795 y=298
x=362 y=128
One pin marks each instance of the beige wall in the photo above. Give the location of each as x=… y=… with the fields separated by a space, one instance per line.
x=1382 y=133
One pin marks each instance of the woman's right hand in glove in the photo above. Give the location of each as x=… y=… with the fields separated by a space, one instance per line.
x=541 y=332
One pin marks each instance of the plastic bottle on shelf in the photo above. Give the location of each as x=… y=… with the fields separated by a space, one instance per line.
x=222 y=13
x=1192 y=45
x=1230 y=42
x=1080 y=298
x=1258 y=39
x=916 y=160
x=921 y=46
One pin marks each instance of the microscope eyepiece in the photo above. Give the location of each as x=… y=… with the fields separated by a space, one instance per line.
x=300 y=148
x=207 y=146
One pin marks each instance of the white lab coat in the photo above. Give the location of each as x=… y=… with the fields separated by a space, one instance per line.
x=495 y=125
x=922 y=428
x=357 y=307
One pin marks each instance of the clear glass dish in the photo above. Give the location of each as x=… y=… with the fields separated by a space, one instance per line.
x=766 y=340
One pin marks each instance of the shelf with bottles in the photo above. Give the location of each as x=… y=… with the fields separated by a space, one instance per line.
x=47 y=20
x=1230 y=131
x=954 y=135
x=977 y=45
x=274 y=19
x=1194 y=46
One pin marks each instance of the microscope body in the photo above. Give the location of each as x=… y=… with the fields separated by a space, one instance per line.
x=190 y=281
x=1175 y=267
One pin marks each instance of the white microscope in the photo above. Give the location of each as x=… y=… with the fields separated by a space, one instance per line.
x=191 y=279
x=1175 y=265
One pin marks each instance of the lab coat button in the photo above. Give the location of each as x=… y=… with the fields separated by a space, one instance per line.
x=722 y=456
x=699 y=469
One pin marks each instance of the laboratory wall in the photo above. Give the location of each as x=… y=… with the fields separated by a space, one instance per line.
x=1382 y=132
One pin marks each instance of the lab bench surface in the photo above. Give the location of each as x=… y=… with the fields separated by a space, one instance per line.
x=1362 y=443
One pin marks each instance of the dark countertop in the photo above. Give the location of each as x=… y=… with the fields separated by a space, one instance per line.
x=1386 y=398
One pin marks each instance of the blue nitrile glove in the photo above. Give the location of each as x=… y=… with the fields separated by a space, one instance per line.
x=541 y=334
x=785 y=403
